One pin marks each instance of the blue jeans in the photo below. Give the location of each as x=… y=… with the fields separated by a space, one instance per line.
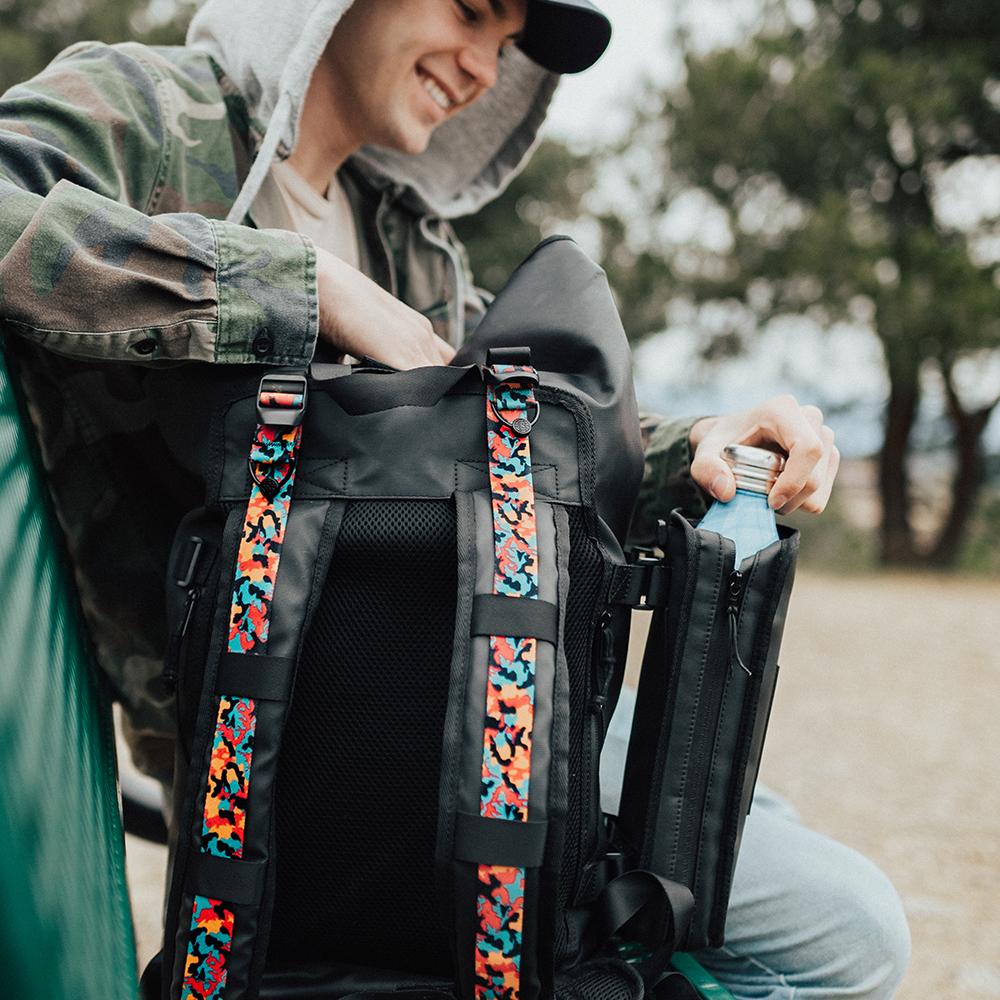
x=809 y=919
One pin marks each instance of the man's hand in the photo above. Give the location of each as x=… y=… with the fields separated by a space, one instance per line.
x=799 y=431
x=359 y=318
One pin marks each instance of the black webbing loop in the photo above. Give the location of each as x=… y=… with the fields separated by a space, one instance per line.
x=487 y=841
x=643 y=906
x=673 y=986
x=229 y=879
x=495 y=614
x=264 y=678
x=643 y=585
x=419 y=993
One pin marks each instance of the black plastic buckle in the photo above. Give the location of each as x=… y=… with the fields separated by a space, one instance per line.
x=286 y=383
x=645 y=584
x=185 y=576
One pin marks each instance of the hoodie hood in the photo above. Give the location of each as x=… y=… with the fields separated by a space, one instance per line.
x=269 y=49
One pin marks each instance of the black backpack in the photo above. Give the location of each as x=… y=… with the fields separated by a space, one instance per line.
x=398 y=632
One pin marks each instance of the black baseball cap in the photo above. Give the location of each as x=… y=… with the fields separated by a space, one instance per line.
x=564 y=36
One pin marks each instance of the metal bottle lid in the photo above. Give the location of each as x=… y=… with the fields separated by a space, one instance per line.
x=755 y=469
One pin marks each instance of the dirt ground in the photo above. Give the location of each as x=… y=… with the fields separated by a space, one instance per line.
x=882 y=735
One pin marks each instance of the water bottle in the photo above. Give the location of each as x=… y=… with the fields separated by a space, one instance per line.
x=747 y=519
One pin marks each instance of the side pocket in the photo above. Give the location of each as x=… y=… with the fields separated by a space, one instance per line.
x=704 y=697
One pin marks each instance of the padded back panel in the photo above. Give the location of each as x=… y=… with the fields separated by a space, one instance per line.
x=360 y=760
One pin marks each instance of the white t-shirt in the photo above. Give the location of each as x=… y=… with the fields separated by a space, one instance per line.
x=286 y=200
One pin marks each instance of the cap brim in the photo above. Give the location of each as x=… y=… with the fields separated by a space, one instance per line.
x=565 y=36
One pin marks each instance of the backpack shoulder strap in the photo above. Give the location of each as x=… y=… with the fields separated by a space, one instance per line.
x=222 y=880
x=504 y=786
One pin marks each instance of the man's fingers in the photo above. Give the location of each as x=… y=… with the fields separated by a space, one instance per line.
x=795 y=429
x=815 y=503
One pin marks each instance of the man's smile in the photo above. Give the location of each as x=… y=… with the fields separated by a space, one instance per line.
x=438 y=93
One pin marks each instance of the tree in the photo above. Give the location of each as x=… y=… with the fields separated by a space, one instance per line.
x=32 y=33
x=824 y=141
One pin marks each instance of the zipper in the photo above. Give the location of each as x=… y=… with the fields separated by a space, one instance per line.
x=599 y=701
x=168 y=676
x=735 y=591
x=597 y=704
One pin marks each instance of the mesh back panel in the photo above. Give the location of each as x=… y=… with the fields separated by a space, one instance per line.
x=357 y=790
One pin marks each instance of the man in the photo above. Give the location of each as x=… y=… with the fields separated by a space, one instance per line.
x=279 y=189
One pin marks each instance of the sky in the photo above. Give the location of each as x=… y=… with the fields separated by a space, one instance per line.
x=591 y=106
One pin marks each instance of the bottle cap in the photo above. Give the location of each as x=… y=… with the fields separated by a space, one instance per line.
x=755 y=469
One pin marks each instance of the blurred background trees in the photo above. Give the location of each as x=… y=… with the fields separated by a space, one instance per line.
x=838 y=165
x=32 y=32
x=828 y=146
x=837 y=156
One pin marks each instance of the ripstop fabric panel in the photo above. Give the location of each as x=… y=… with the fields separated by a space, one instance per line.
x=62 y=867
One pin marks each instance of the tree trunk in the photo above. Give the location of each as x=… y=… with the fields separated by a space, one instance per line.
x=896 y=533
x=968 y=478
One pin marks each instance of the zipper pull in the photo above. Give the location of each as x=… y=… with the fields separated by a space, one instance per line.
x=168 y=676
x=733 y=609
x=600 y=700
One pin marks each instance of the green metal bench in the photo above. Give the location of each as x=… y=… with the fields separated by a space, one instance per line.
x=66 y=928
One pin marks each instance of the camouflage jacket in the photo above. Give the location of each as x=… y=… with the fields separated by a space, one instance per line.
x=117 y=166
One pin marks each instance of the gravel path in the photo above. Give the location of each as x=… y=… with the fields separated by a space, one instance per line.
x=881 y=735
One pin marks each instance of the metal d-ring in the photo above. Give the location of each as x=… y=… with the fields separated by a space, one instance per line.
x=269 y=485
x=521 y=426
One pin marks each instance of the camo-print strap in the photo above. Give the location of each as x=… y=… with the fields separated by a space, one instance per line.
x=510 y=688
x=272 y=465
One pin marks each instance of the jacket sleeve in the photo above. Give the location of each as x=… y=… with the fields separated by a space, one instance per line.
x=666 y=481
x=85 y=271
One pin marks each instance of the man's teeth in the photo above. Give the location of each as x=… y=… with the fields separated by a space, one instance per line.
x=440 y=97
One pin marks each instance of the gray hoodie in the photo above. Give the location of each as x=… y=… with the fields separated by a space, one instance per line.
x=269 y=49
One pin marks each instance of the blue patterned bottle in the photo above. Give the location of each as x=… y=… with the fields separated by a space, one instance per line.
x=747 y=519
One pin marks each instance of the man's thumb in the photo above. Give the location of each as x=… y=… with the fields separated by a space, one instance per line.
x=717 y=478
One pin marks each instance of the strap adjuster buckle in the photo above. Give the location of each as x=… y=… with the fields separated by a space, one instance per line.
x=517 y=378
x=281 y=399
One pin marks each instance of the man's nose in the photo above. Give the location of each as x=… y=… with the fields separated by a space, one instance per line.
x=481 y=63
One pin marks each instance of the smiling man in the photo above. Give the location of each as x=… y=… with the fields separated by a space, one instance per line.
x=279 y=190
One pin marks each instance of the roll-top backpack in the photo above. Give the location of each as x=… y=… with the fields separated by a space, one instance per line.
x=398 y=630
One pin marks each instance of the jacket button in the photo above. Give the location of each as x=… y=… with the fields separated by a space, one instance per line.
x=263 y=344
x=146 y=346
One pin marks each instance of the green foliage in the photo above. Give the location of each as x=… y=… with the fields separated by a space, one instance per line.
x=821 y=145
x=981 y=551
x=32 y=33
x=544 y=199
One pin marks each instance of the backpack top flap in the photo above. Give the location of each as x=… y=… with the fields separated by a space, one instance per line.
x=559 y=304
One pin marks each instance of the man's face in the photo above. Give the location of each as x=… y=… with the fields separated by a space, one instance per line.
x=399 y=68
